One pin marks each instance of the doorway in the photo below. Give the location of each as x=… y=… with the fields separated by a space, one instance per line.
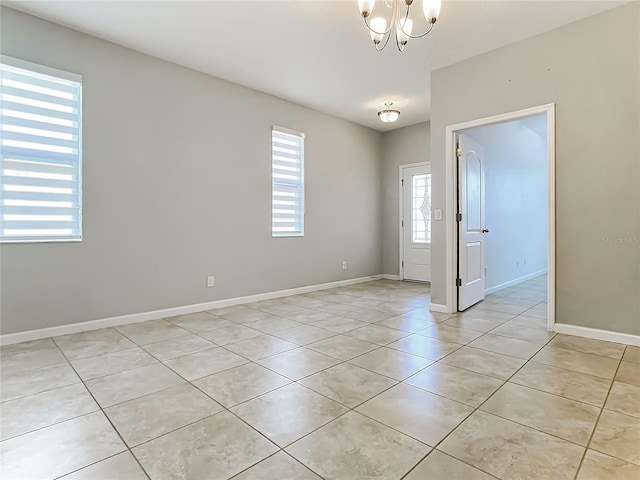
x=468 y=228
x=415 y=222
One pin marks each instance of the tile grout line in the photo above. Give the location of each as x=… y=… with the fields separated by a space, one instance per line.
x=252 y=361
x=238 y=417
x=349 y=409
x=199 y=420
x=214 y=345
x=435 y=447
x=136 y=345
x=161 y=362
x=54 y=423
x=280 y=449
x=235 y=475
x=586 y=447
x=187 y=332
x=403 y=433
x=106 y=417
x=167 y=388
x=595 y=425
x=342 y=362
x=43 y=391
x=344 y=304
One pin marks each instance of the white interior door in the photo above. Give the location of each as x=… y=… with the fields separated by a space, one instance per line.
x=416 y=223
x=470 y=223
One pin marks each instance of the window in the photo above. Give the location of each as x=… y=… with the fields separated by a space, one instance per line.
x=421 y=208
x=287 y=182
x=40 y=153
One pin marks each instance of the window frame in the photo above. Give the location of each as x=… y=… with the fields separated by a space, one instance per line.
x=302 y=136
x=70 y=77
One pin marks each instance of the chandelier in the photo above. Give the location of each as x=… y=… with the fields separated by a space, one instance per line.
x=400 y=21
x=387 y=115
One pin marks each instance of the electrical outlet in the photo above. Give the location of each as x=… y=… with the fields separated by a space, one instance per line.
x=210 y=281
x=344 y=265
x=437 y=214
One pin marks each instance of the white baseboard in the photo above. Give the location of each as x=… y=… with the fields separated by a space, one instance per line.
x=511 y=283
x=597 y=334
x=386 y=276
x=11 y=338
x=436 y=307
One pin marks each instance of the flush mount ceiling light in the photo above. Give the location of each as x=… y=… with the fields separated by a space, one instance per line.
x=387 y=115
x=400 y=21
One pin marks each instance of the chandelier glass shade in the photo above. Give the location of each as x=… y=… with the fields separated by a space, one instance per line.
x=400 y=26
x=387 y=115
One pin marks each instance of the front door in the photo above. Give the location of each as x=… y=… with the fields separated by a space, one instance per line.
x=471 y=227
x=416 y=223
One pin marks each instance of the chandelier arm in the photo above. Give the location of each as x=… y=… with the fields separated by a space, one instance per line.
x=375 y=31
x=401 y=28
x=423 y=34
x=404 y=22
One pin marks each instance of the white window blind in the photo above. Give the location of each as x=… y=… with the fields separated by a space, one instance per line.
x=287 y=179
x=40 y=153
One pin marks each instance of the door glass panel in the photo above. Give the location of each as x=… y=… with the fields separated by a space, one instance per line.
x=474 y=189
x=421 y=208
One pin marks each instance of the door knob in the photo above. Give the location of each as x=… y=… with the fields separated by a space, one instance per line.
x=485 y=230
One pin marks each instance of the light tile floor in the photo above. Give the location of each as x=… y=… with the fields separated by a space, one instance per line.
x=360 y=382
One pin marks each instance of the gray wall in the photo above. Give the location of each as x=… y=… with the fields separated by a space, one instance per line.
x=590 y=69
x=399 y=147
x=515 y=198
x=177 y=186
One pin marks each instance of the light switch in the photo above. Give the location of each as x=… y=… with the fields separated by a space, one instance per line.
x=437 y=214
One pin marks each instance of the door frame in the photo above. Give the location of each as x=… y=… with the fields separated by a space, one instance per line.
x=401 y=213
x=451 y=189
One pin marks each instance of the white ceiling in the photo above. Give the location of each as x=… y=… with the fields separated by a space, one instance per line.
x=315 y=53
